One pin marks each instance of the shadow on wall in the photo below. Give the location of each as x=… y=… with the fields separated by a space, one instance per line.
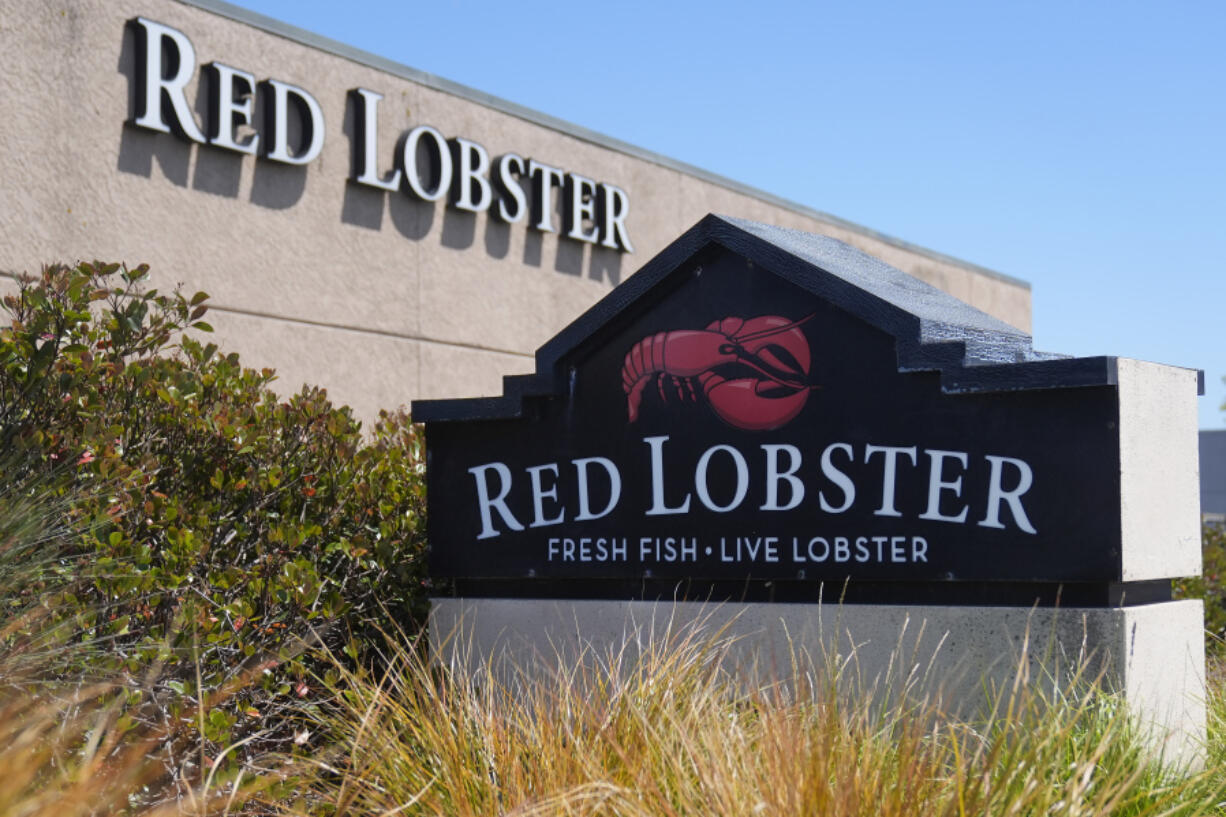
x=276 y=186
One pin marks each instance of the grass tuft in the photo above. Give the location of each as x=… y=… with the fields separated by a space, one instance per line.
x=75 y=739
x=660 y=727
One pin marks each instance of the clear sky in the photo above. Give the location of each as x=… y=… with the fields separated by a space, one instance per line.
x=1080 y=146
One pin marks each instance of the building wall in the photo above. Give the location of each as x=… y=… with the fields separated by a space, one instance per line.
x=379 y=296
x=1213 y=476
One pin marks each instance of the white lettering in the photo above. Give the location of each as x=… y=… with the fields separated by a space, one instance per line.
x=509 y=166
x=936 y=485
x=838 y=478
x=546 y=179
x=615 y=487
x=889 y=474
x=312 y=124
x=153 y=38
x=658 y=508
x=539 y=495
x=473 y=163
x=774 y=476
x=742 y=478
x=412 y=174
x=997 y=494
x=582 y=208
x=229 y=85
x=614 y=206
x=367 y=141
x=498 y=503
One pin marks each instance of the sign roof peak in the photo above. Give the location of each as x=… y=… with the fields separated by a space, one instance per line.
x=934 y=331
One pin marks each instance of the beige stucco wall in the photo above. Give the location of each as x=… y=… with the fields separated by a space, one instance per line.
x=375 y=295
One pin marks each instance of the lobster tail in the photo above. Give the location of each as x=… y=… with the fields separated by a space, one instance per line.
x=634 y=397
x=643 y=361
x=680 y=354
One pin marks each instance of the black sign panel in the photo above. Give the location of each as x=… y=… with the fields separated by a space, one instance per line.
x=762 y=405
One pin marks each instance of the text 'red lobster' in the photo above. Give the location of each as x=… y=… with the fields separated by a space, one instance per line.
x=763 y=368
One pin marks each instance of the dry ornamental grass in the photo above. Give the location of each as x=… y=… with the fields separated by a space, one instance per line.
x=670 y=732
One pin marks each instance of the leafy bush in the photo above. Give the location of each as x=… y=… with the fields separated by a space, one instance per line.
x=221 y=523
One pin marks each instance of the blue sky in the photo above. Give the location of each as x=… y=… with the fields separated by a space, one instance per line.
x=1078 y=146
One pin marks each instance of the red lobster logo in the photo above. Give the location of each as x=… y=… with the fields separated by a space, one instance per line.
x=753 y=372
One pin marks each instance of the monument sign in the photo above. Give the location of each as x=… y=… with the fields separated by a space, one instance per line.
x=761 y=415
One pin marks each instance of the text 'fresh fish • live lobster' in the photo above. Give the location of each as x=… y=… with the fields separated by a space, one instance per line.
x=752 y=372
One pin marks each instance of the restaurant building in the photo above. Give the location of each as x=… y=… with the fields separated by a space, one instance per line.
x=358 y=224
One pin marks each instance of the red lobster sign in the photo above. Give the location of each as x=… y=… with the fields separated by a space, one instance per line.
x=752 y=372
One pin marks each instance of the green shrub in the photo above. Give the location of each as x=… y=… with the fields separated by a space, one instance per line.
x=222 y=523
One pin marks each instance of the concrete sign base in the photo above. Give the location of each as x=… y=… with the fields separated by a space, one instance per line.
x=1152 y=655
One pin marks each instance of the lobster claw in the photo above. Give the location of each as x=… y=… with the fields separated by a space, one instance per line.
x=740 y=403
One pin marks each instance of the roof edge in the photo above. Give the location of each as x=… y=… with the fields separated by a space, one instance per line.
x=318 y=41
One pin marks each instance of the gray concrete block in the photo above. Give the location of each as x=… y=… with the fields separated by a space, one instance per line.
x=1152 y=655
x=1159 y=474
